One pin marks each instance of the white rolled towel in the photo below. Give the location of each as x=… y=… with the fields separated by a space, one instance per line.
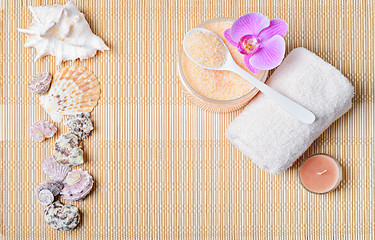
x=272 y=138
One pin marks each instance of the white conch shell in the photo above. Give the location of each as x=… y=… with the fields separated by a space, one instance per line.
x=61 y=31
x=74 y=90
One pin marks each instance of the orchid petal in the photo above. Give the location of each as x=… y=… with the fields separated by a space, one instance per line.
x=270 y=55
x=229 y=38
x=247 y=63
x=277 y=27
x=249 y=24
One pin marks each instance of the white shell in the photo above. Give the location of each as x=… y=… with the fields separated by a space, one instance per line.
x=61 y=31
x=74 y=90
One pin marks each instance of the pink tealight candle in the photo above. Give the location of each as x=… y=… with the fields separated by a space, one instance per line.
x=320 y=173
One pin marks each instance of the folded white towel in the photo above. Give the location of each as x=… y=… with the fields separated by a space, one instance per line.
x=271 y=137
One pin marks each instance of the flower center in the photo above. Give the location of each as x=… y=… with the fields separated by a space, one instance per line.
x=248 y=44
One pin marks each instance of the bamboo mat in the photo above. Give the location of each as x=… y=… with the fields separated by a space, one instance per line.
x=162 y=167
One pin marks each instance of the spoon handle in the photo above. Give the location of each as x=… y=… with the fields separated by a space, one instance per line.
x=289 y=105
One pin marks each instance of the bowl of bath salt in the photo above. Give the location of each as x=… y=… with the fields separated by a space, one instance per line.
x=217 y=91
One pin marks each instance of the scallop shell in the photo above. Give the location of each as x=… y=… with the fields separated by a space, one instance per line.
x=41 y=130
x=67 y=151
x=74 y=90
x=62 y=217
x=44 y=190
x=80 y=124
x=61 y=31
x=40 y=83
x=54 y=170
x=77 y=185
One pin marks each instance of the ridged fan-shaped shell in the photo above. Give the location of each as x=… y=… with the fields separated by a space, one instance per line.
x=74 y=90
x=54 y=170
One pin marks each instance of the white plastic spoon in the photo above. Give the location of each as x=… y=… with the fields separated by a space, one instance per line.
x=221 y=59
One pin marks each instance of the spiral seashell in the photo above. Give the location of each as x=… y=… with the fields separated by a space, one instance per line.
x=77 y=185
x=62 y=217
x=67 y=151
x=54 y=170
x=41 y=130
x=45 y=197
x=61 y=31
x=80 y=124
x=51 y=186
x=40 y=83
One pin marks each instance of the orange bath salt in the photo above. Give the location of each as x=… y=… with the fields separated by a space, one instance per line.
x=213 y=84
x=205 y=48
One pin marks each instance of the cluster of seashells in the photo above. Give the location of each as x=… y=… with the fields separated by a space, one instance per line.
x=62 y=31
x=71 y=185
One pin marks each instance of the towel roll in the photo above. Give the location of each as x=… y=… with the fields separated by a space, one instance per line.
x=269 y=135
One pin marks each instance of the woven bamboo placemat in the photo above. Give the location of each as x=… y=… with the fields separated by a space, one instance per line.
x=163 y=168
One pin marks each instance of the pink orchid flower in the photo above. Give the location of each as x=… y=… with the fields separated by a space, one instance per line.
x=259 y=39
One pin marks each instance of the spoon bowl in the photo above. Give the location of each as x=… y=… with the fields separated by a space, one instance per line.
x=213 y=46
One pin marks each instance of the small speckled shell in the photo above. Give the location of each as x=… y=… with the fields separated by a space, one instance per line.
x=67 y=150
x=51 y=186
x=54 y=170
x=80 y=124
x=41 y=130
x=62 y=217
x=77 y=185
x=40 y=83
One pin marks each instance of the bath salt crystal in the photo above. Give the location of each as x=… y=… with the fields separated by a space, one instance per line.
x=205 y=48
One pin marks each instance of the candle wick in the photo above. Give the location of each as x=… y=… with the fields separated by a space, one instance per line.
x=320 y=173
